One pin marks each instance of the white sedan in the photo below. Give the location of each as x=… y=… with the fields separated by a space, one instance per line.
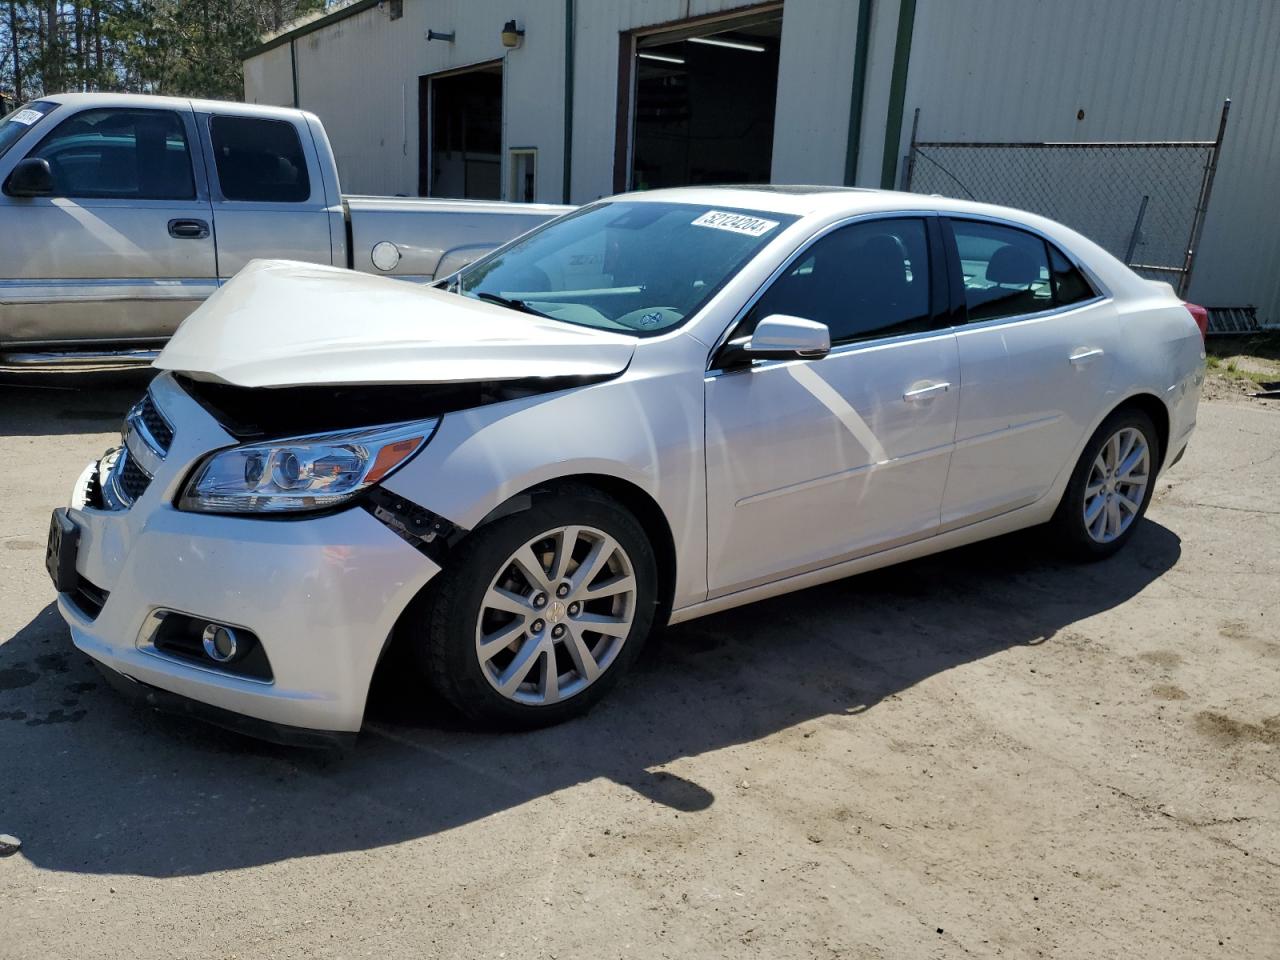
x=654 y=408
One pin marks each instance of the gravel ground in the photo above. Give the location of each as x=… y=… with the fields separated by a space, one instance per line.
x=983 y=753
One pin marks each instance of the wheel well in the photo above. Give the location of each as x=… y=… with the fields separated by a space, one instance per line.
x=1154 y=408
x=646 y=510
x=642 y=506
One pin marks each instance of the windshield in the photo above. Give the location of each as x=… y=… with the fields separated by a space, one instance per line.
x=20 y=121
x=640 y=267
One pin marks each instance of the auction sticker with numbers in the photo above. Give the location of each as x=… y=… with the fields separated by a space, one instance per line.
x=26 y=117
x=735 y=223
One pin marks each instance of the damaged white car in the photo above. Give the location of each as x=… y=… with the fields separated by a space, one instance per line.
x=656 y=407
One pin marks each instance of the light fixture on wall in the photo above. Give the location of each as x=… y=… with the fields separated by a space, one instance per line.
x=512 y=34
x=437 y=35
x=730 y=44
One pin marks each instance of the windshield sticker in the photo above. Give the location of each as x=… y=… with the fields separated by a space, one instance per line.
x=26 y=117
x=735 y=223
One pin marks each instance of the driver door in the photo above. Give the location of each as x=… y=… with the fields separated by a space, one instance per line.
x=812 y=462
x=123 y=249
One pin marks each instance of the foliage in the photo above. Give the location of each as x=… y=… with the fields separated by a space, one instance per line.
x=176 y=47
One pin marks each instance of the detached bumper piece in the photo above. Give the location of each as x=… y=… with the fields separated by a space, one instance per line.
x=174 y=704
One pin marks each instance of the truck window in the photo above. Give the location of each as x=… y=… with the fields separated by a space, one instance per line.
x=259 y=160
x=17 y=123
x=119 y=155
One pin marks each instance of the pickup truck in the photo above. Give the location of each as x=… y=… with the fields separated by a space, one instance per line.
x=120 y=214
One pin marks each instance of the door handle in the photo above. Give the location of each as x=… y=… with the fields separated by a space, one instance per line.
x=925 y=392
x=1084 y=355
x=188 y=229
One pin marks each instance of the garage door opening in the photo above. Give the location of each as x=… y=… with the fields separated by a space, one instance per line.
x=460 y=134
x=704 y=103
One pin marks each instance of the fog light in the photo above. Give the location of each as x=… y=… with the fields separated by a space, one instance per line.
x=219 y=643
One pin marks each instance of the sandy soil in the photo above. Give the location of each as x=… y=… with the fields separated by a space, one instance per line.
x=986 y=753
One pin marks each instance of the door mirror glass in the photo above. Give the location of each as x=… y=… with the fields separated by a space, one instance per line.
x=30 y=178
x=780 y=337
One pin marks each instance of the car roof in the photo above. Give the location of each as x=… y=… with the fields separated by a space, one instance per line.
x=825 y=204
x=816 y=200
x=145 y=101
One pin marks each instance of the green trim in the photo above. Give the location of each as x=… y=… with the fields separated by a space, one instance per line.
x=569 y=32
x=311 y=26
x=897 y=94
x=859 y=92
x=293 y=69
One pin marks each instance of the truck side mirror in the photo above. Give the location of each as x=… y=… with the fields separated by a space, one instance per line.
x=32 y=177
x=779 y=337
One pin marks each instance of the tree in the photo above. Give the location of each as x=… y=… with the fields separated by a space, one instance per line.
x=180 y=47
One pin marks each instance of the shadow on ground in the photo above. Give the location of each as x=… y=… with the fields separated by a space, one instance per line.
x=93 y=785
x=60 y=402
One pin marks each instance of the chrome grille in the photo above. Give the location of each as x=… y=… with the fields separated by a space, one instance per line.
x=159 y=428
x=147 y=437
x=130 y=478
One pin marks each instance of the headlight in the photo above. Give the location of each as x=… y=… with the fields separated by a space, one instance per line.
x=302 y=473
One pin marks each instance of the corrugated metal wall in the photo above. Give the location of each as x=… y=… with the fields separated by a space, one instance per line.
x=1140 y=70
x=979 y=70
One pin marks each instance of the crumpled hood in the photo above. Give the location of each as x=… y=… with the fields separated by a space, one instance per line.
x=279 y=323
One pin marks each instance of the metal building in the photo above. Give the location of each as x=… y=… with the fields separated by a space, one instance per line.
x=570 y=100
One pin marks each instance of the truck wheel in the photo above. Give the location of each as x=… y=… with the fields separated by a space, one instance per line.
x=1110 y=487
x=538 y=614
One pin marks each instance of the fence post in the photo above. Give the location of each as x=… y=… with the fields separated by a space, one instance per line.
x=911 y=154
x=1202 y=202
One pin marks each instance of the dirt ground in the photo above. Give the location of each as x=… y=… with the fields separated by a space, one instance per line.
x=985 y=753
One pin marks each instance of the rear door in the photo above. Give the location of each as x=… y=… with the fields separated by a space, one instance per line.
x=123 y=250
x=1037 y=356
x=267 y=190
x=811 y=462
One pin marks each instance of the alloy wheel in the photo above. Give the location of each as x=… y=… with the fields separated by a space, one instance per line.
x=1117 y=485
x=555 y=617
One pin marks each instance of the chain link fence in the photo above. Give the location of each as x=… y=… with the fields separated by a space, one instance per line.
x=1144 y=202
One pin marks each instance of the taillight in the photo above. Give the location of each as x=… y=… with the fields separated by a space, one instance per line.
x=1201 y=316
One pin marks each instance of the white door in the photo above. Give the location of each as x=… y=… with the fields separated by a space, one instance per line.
x=1036 y=359
x=813 y=462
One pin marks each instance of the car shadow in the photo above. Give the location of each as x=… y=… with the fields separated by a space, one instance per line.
x=44 y=403
x=91 y=784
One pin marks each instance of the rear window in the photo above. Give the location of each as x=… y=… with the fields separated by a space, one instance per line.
x=15 y=124
x=259 y=160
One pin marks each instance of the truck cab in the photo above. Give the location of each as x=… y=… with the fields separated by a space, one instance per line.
x=122 y=213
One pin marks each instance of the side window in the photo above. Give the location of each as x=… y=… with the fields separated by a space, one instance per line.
x=869 y=279
x=1069 y=284
x=121 y=155
x=1006 y=271
x=259 y=160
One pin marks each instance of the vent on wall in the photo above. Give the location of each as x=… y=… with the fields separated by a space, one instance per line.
x=395 y=9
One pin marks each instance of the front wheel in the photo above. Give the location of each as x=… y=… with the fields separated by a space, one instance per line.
x=1110 y=487
x=539 y=613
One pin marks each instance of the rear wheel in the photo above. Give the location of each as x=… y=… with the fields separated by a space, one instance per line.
x=1110 y=487
x=539 y=613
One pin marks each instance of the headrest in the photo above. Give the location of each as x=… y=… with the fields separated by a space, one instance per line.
x=883 y=255
x=1013 y=266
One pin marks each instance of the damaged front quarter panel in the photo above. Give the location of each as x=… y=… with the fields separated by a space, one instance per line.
x=427 y=532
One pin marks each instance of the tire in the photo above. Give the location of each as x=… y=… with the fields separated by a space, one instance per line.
x=484 y=596
x=1077 y=535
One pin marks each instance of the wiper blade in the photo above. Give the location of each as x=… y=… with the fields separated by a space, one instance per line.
x=511 y=303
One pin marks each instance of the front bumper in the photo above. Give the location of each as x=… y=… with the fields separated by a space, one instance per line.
x=322 y=594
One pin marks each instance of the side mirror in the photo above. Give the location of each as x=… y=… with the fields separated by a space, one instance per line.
x=30 y=178
x=780 y=337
